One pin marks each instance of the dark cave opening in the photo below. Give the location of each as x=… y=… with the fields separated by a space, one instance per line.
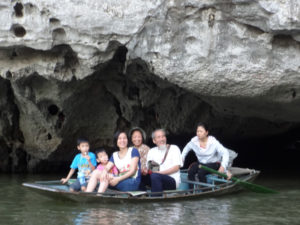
x=278 y=154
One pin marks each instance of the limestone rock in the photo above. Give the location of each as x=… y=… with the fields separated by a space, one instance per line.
x=87 y=68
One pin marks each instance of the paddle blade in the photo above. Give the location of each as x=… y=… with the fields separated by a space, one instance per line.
x=256 y=188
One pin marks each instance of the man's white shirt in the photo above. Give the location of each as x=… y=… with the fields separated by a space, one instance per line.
x=173 y=158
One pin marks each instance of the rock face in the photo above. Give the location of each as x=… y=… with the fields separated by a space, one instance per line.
x=88 y=68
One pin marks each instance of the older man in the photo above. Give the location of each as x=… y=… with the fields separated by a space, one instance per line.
x=170 y=161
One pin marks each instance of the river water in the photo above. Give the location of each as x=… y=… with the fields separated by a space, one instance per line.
x=19 y=205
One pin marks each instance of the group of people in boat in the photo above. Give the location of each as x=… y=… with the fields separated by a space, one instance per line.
x=134 y=166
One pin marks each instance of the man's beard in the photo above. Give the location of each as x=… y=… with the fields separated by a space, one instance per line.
x=162 y=147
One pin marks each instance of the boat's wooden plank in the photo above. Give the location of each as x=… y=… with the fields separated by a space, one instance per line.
x=197 y=183
x=215 y=178
x=137 y=193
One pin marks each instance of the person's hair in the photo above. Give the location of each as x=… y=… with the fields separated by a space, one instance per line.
x=100 y=150
x=159 y=129
x=82 y=140
x=115 y=139
x=204 y=125
x=137 y=129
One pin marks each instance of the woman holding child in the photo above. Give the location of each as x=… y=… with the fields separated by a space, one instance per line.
x=127 y=160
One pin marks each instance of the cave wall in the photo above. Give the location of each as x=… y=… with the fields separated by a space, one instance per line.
x=49 y=114
x=53 y=113
x=88 y=68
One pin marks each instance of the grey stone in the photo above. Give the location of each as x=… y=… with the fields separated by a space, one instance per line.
x=92 y=67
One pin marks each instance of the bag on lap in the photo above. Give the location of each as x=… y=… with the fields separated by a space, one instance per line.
x=153 y=166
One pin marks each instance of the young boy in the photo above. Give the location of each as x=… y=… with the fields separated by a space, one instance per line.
x=85 y=162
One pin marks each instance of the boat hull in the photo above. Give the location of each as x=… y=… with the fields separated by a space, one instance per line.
x=57 y=191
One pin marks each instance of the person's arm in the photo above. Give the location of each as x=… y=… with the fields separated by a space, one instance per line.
x=171 y=170
x=143 y=150
x=115 y=170
x=74 y=166
x=105 y=176
x=110 y=163
x=145 y=170
x=108 y=166
x=149 y=158
x=185 y=151
x=65 y=180
x=225 y=156
x=129 y=173
x=91 y=164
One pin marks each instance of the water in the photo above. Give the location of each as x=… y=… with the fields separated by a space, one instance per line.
x=19 y=205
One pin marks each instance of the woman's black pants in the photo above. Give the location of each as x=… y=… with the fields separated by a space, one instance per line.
x=201 y=172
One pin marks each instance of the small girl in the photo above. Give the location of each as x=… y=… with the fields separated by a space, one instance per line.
x=102 y=159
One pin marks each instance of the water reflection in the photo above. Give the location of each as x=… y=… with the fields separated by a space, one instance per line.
x=103 y=216
x=19 y=205
x=205 y=212
x=210 y=211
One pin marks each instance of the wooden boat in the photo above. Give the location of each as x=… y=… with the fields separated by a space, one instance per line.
x=216 y=186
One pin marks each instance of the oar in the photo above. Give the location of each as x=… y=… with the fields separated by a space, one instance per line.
x=248 y=185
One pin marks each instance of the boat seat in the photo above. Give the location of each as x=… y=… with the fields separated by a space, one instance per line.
x=197 y=183
x=184 y=185
x=211 y=179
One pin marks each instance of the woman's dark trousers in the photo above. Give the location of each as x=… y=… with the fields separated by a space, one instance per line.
x=201 y=172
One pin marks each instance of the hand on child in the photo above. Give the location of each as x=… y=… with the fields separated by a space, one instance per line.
x=103 y=176
x=114 y=181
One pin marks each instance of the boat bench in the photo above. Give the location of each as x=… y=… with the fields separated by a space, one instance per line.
x=197 y=183
x=185 y=182
x=211 y=178
x=211 y=182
